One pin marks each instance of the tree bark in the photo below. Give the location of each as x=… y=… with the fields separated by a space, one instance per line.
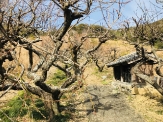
x=148 y=79
x=51 y=101
x=51 y=106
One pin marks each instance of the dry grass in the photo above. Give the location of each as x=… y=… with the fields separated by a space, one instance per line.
x=150 y=109
x=149 y=104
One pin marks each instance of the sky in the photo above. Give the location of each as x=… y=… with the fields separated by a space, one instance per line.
x=129 y=10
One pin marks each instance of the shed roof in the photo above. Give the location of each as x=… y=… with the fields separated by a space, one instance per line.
x=129 y=59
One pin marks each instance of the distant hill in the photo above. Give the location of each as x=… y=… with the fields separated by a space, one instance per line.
x=145 y=30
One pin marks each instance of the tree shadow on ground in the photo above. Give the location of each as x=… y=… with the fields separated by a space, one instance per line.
x=94 y=101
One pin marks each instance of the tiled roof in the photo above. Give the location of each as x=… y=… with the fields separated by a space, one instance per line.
x=126 y=59
x=131 y=58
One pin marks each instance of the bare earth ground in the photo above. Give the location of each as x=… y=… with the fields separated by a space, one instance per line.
x=7 y=97
x=99 y=102
x=102 y=104
x=150 y=109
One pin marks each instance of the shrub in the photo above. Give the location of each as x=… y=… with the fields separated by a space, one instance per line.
x=22 y=105
x=81 y=28
x=159 y=45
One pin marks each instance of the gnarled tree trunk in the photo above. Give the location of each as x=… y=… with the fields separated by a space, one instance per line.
x=147 y=78
x=51 y=105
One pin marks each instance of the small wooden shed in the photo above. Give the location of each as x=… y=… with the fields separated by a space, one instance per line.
x=122 y=67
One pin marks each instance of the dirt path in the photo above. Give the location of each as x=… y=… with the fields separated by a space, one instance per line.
x=103 y=104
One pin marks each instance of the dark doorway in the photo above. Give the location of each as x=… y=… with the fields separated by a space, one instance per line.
x=117 y=72
x=122 y=72
x=126 y=75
